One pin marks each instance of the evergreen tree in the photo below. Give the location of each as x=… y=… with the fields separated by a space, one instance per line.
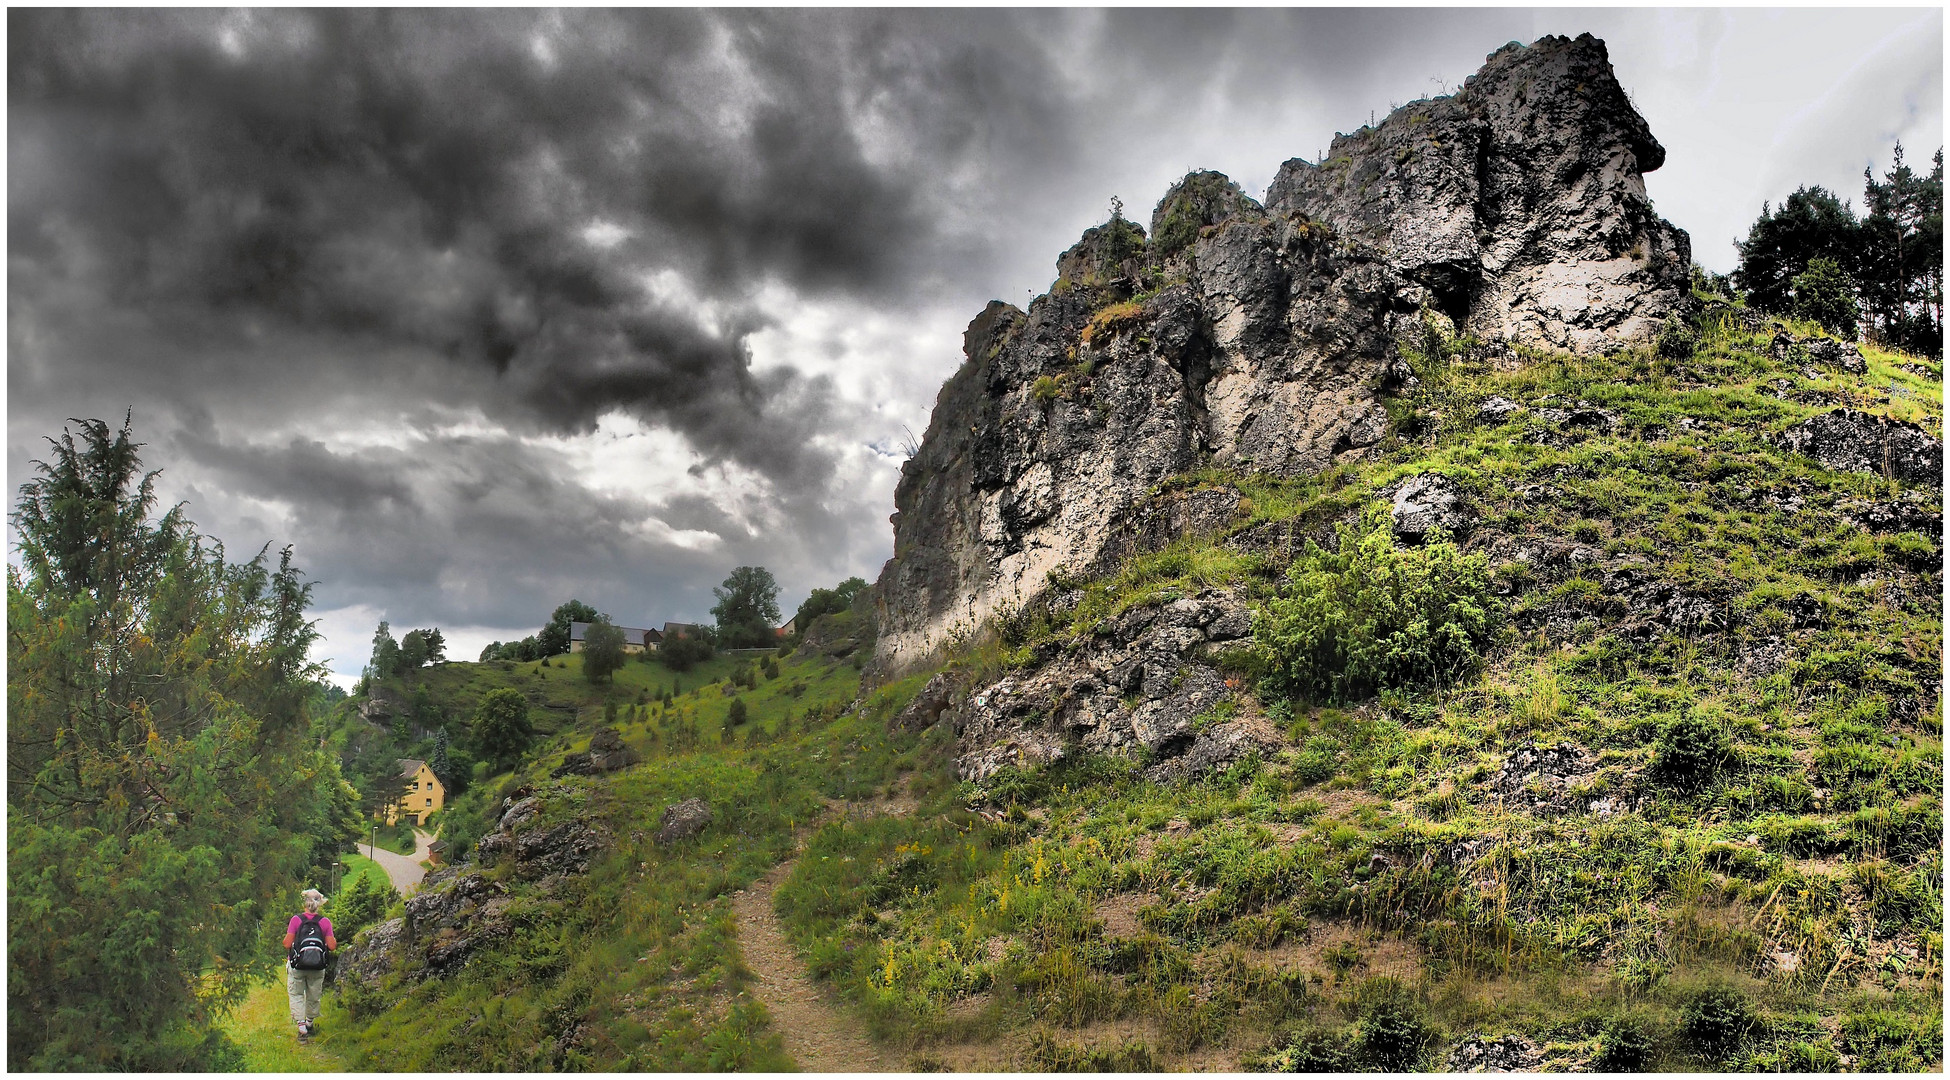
x=385 y=660
x=1811 y=224
x=442 y=766
x=163 y=792
x=1900 y=266
x=436 y=646
x=1825 y=295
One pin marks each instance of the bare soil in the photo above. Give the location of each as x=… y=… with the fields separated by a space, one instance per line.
x=818 y=1033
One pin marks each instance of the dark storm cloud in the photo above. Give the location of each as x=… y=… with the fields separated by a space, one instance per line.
x=461 y=529
x=491 y=187
x=356 y=271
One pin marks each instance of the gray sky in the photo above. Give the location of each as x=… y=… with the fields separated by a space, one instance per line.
x=487 y=310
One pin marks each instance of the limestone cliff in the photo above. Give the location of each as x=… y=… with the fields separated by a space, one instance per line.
x=1265 y=336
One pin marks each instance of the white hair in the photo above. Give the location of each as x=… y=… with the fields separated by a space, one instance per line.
x=314 y=900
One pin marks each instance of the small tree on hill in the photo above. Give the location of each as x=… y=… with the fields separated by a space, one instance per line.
x=747 y=608
x=1824 y=294
x=413 y=651
x=501 y=728
x=827 y=602
x=554 y=638
x=735 y=714
x=385 y=654
x=685 y=652
x=602 y=651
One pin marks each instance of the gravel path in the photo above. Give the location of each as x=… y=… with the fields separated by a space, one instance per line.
x=405 y=870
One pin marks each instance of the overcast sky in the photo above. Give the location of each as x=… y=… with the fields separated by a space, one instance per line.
x=487 y=310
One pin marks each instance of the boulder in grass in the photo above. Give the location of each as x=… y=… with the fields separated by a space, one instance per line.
x=1849 y=441
x=683 y=820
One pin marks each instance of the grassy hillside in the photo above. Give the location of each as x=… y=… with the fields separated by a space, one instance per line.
x=1391 y=883
x=1630 y=843
x=634 y=966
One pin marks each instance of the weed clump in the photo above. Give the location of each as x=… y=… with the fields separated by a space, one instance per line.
x=1693 y=748
x=1717 y=1019
x=1308 y=1050
x=1046 y=1054
x=1372 y=616
x=1676 y=340
x=1394 y=1033
x=1624 y=1045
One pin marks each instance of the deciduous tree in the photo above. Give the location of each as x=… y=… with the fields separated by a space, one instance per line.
x=747 y=608
x=501 y=729
x=602 y=651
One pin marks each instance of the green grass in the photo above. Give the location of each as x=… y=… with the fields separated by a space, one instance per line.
x=261 y=1026
x=639 y=954
x=1575 y=919
x=1370 y=890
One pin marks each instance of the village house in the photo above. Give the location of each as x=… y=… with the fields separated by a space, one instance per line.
x=424 y=793
x=635 y=639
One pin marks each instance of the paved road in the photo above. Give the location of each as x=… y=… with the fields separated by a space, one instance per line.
x=405 y=870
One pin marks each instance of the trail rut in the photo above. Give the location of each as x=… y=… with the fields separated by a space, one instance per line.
x=819 y=1035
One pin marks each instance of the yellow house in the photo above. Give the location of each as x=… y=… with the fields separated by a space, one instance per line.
x=424 y=793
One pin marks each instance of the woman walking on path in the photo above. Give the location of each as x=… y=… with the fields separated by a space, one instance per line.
x=308 y=943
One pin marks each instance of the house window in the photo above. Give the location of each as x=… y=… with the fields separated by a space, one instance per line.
x=429 y=800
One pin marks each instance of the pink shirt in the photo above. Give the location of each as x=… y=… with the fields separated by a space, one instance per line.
x=324 y=925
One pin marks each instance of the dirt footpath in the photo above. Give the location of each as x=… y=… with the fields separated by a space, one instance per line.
x=820 y=1036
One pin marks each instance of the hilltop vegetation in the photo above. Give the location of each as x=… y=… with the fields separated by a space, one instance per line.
x=1705 y=841
x=1615 y=841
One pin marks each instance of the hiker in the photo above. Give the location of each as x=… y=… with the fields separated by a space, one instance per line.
x=308 y=944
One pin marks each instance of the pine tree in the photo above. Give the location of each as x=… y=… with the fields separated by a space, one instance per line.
x=160 y=774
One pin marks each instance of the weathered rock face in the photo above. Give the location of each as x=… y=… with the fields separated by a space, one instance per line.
x=1519 y=201
x=1267 y=338
x=1142 y=682
x=1850 y=441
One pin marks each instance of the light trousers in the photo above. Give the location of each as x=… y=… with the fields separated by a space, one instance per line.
x=304 y=989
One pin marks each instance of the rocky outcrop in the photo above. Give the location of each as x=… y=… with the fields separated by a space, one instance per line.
x=683 y=820
x=1267 y=337
x=458 y=911
x=372 y=953
x=607 y=753
x=1519 y=201
x=1426 y=503
x=1850 y=441
x=1143 y=682
x=1504 y=1053
x=1826 y=351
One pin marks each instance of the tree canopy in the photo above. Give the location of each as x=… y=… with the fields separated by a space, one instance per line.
x=1881 y=273
x=554 y=638
x=602 y=651
x=501 y=729
x=161 y=777
x=747 y=608
x=828 y=602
